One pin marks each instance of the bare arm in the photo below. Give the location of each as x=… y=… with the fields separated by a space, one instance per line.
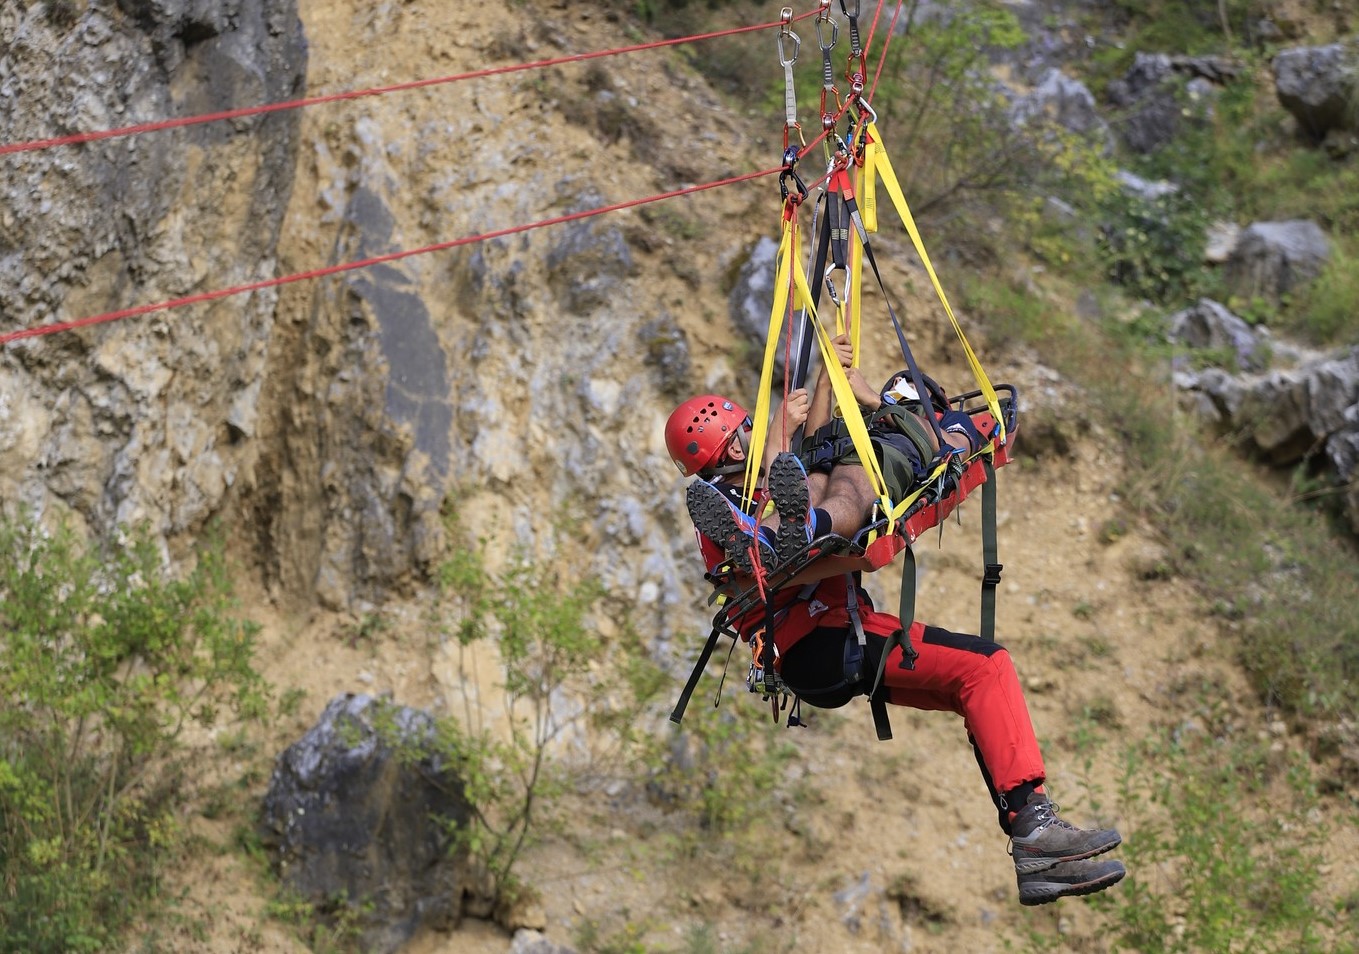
x=819 y=414
x=823 y=397
x=783 y=423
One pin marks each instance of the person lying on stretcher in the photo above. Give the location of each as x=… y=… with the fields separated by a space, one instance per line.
x=825 y=480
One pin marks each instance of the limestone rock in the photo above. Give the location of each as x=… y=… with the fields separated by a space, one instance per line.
x=147 y=419
x=1210 y=325
x=528 y=941
x=751 y=298
x=1066 y=102
x=1316 y=85
x=349 y=818
x=1272 y=258
x=1287 y=416
x=1160 y=93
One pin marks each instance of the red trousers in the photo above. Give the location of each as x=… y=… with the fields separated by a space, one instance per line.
x=976 y=679
x=953 y=672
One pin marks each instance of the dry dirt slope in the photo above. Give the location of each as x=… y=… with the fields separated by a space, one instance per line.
x=1088 y=631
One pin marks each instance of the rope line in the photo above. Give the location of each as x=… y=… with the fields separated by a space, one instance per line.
x=159 y=125
x=882 y=58
x=364 y=263
x=218 y=294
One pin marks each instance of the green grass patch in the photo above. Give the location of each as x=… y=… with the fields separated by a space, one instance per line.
x=1274 y=570
x=1278 y=573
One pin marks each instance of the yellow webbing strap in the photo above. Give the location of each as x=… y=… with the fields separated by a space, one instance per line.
x=790 y=261
x=882 y=166
x=787 y=253
x=867 y=186
x=853 y=417
x=854 y=421
x=868 y=189
x=856 y=268
x=789 y=271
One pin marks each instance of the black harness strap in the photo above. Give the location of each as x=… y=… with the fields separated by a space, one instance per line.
x=902 y=638
x=699 y=666
x=837 y=221
x=916 y=377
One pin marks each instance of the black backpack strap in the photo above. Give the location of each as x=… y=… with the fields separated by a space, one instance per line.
x=881 y=724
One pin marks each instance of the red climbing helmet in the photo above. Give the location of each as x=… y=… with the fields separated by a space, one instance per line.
x=699 y=430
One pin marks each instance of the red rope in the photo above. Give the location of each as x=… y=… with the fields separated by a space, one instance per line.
x=872 y=29
x=365 y=263
x=891 y=29
x=374 y=91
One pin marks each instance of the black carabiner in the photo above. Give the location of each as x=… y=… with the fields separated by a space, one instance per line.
x=790 y=158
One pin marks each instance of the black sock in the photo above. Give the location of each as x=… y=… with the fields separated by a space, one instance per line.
x=1017 y=797
x=821 y=522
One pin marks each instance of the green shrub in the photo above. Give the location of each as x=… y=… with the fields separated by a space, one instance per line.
x=1327 y=312
x=726 y=768
x=1222 y=852
x=538 y=617
x=1154 y=246
x=936 y=99
x=104 y=658
x=545 y=645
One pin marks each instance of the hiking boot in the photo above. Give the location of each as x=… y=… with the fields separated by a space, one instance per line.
x=722 y=523
x=788 y=487
x=1067 y=879
x=1039 y=839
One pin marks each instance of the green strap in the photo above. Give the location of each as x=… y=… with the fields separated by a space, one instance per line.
x=900 y=638
x=991 y=569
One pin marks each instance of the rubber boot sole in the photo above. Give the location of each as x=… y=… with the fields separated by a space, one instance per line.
x=1043 y=862
x=1069 y=879
x=715 y=519
x=788 y=487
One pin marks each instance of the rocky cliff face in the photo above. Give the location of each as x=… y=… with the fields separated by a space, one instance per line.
x=518 y=381
x=334 y=421
x=150 y=420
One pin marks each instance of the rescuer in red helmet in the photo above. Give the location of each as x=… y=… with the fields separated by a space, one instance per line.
x=816 y=625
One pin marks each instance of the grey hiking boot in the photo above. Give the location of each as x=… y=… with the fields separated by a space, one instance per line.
x=788 y=487
x=1040 y=840
x=735 y=532
x=1067 y=879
